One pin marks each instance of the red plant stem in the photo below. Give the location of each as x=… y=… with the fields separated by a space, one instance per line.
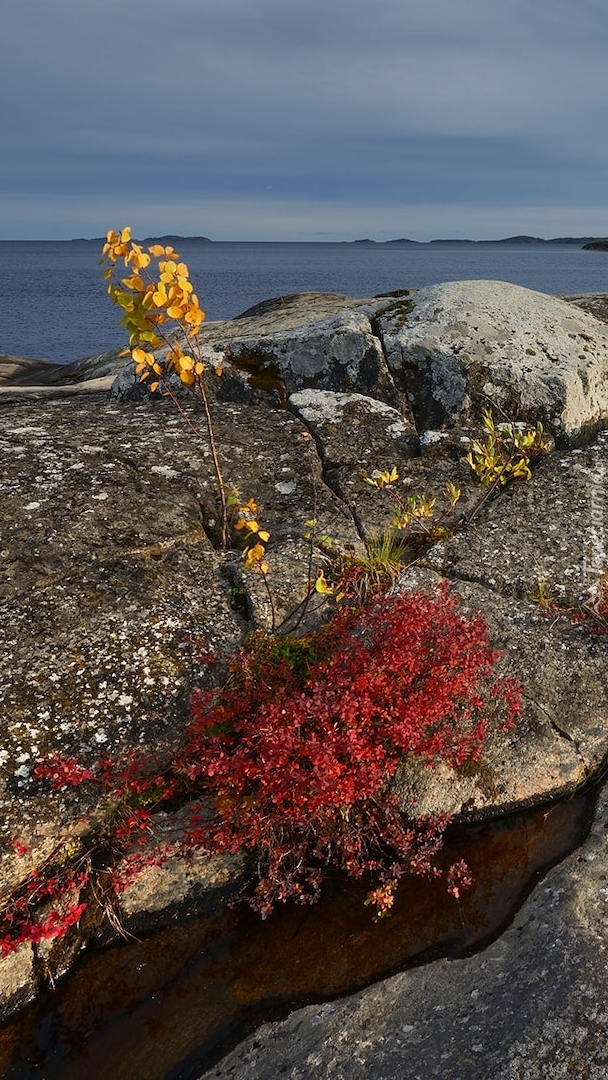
x=212 y=446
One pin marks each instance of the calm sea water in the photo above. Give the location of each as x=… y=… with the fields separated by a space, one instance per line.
x=53 y=303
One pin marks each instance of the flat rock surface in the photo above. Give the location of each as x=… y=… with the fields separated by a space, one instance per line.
x=531 y=1006
x=537 y=537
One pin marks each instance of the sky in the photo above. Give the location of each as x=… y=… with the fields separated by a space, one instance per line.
x=304 y=119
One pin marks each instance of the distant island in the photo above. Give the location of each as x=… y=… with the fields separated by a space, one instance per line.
x=170 y=238
x=587 y=243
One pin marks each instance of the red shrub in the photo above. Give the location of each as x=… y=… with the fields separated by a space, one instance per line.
x=297 y=753
x=299 y=748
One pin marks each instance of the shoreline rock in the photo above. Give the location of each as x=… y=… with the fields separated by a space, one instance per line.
x=110 y=573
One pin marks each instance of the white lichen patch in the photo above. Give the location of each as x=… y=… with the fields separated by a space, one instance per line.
x=164 y=470
x=427 y=438
x=326 y=407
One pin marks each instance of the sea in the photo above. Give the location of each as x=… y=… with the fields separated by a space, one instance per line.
x=54 y=305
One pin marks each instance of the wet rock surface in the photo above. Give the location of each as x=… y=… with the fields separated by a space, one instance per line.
x=532 y=1004
x=111 y=577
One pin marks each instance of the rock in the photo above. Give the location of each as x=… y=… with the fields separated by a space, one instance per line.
x=15 y=369
x=532 y=1004
x=470 y=344
x=159 y=893
x=111 y=574
x=355 y=436
x=561 y=737
x=92 y=372
x=594 y=303
x=18 y=980
x=318 y=340
x=339 y=353
x=535 y=536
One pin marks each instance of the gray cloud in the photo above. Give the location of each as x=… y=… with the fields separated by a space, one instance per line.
x=454 y=102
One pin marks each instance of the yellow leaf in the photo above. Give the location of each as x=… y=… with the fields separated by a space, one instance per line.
x=134 y=282
x=187 y=377
x=322 y=585
x=125 y=235
x=194 y=316
x=175 y=312
x=263 y=535
x=219 y=371
x=139 y=356
x=156 y=250
x=186 y=363
x=253 y=555
x=199 y=368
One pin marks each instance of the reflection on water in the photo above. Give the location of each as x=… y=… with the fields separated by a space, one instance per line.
x=165 y=1008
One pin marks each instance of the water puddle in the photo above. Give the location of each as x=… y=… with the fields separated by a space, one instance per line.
x=166 y=1008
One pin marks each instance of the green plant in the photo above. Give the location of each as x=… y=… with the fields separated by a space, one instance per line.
x=398 y=310
x=415 y=516
x=361 y=576
x=507 y=451
x=592 y=612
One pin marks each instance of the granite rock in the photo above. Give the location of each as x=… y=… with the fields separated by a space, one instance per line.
x=110 y=571
x=467 y=345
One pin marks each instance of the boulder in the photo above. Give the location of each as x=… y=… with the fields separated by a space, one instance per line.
x=467 y=345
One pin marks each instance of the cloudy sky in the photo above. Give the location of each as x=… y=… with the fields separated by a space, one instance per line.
x=304 y=119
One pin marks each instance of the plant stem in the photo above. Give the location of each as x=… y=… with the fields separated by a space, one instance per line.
x=212 y=446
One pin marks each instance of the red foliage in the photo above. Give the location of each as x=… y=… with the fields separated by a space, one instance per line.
x=18 y=847
x=20 y=918
x=62 y=772
x=297 y=753
x=299 y=748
